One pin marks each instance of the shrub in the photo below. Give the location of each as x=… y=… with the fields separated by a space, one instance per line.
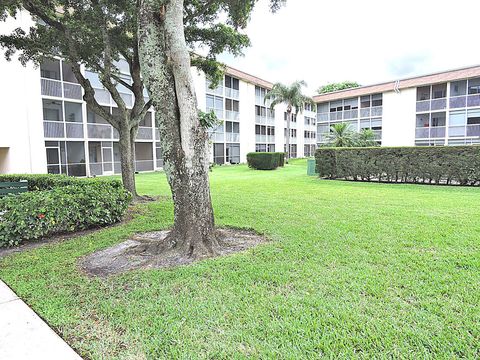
x=281 y=158
x=455 y=165
x=50 y=181
x=82 y=204
x=263 y=160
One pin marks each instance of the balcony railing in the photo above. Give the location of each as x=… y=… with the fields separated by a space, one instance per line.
x=74 y=130
x=270 y=139
x=260 y=138
x=232 y=137
x=464 y=101
x=217 y=137
x=232 y=115
x=72 y=91
x=232 y=93
x=99 y=131
x=53 y=129
x=430 y=132
x=51 y=87
x=144 y=133
x=270 y=121
x=433 y=104
x=260 y=119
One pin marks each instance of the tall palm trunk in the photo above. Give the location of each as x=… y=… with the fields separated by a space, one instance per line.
x=287 y=140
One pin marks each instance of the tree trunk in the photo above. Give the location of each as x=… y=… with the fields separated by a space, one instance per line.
x=127 y=156
x=166 y=69
x=287 y=140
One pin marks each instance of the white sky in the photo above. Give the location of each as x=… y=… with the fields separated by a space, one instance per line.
x=367 y=41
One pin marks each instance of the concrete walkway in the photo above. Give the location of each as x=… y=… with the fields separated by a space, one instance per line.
x=24 y=336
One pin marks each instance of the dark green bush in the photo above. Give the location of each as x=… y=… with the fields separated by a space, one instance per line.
x=80 y=205
x=263 y=160
x=50 y=181
x=281 y=158
x=455 y=165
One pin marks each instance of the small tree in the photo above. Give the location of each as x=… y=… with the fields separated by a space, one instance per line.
x=95 y=34
x=294 y=99
x=337 y=87
x=344 y=135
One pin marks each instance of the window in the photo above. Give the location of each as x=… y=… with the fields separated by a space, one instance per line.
x=52 y=110
x=93 y=118
x=260 y=130
x=458 y=88
x=76 y=158
x=260 y=111
x=423 y=93
x=423 y=120
x=294 y=118
x=73 y=112
x=232 y=127
x=473 y=117
x=50 y=69
x=270 y=130
x=439 y=91
x=474 y=86
x=260 y=148
x=336 y=106
x=147 y=120
x=271 y=113
x=67 y=73
x=231 y=82
x=323 y=108
x=218 y=154
x=350 y=104
x=232 y=105
x=457 y=118
x=271 y=147
x=365 y=101
x=438 y=119
x=215 y=103
x=232 y=152
x=377 y=100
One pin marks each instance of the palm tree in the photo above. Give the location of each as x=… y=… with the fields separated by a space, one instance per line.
x=366 y=137
x=341 y=135
x=294 y=99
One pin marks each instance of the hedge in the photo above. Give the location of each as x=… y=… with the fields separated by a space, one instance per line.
x=453 y=165
x=50 y=181
x=82 y=204
x=265 y=160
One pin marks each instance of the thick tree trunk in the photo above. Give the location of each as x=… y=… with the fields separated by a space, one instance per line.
x=166 y=69
x=287 y=140
x=127 y=157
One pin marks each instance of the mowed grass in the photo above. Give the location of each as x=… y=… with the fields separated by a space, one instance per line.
x=353 y=270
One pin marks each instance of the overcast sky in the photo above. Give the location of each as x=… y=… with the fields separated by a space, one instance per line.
x=368 y=41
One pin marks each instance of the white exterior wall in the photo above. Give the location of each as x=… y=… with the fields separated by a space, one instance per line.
x=22 y=148
x=247 y=119
x=398 y=120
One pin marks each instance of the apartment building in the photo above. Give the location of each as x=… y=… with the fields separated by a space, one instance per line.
x=436 y=109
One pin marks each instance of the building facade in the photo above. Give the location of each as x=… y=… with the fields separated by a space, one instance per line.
x=436 y=109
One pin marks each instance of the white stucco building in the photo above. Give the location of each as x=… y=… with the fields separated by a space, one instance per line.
x=45 y=126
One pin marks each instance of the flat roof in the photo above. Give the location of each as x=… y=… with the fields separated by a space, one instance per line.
x=435 y=78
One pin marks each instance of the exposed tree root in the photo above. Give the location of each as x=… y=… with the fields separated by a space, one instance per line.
x=165 y=249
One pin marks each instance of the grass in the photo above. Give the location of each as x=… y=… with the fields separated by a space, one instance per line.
x=356 y=270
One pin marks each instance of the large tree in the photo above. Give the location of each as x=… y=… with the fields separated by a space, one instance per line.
x=164 y=29
x=293 y=97
x=95 y=34
x=325 y=89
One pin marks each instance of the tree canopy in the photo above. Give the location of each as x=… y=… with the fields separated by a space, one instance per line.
x=337 y=87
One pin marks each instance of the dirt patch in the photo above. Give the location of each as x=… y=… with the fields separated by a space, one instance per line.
x=125 y=256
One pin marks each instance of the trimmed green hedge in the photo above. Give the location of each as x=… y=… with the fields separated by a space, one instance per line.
x=51 y=181
x=265 y=160
x=59 y=205
x=454 y=165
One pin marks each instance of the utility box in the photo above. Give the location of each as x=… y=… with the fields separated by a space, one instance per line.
x=311 y=167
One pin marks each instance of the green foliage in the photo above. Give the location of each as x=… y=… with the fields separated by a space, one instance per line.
x=344 y=135
x=265 y=160
x=291 y=95
x=337 y=87
x=454 y=165
x=208 y=120
x=50 y=181
x=57 y=206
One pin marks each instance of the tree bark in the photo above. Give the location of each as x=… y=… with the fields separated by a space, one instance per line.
x=127 y=156
x=166 y=69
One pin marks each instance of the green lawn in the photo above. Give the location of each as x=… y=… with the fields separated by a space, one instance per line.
x=353 y=270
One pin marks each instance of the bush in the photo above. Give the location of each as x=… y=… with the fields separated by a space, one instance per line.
x=281 y=158
x=50 y=181
x=455 y=165
x=263 y=160
x=82 y=204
